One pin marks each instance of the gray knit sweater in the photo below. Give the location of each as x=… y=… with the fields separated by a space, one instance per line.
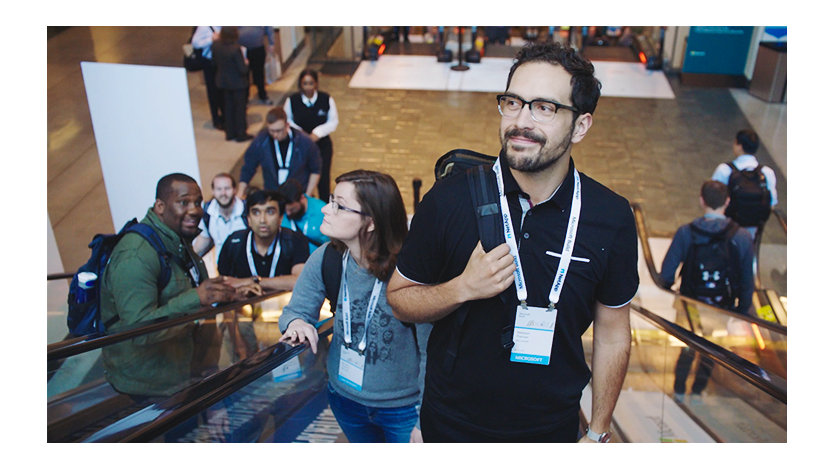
x=392 y=357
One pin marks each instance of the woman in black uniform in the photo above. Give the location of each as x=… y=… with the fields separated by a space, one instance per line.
x=314 y=112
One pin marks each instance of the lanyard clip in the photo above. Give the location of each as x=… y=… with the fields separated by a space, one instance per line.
x=551 y=306
x=524 y=304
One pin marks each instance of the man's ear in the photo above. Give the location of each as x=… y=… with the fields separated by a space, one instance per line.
x=581 y=127
x=159 y=207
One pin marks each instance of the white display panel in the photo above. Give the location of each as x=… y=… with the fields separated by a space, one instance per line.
x=142 y=122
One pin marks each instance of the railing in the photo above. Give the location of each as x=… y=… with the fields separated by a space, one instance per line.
x=82 y=344
x=642 y=232
x=156 y=419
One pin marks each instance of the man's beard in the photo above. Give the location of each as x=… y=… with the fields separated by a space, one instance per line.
x=228 y=204
x=297 y=215
x=539 y=162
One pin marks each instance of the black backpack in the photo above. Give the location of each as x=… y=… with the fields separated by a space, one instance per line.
x=84 y=312
x=707 y=273
x=749 y=197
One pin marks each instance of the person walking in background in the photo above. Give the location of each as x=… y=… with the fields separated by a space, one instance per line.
x=202 y=40
x=252 y=38
x=233 y=81
x=373 y=362
x=314 y=112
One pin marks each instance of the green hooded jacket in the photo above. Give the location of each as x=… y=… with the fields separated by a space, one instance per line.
x=157 y=363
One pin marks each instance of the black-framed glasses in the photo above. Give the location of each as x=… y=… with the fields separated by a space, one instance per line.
x=510 y=105
x=337 y=207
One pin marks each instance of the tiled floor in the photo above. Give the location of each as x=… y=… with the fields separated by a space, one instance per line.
x=655 y=152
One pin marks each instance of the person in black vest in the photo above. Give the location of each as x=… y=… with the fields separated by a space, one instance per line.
x=314 y=112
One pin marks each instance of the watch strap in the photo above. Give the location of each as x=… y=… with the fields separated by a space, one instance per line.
x=598 y=437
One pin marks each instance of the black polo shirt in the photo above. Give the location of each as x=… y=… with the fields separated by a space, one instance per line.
x=234 y=262
x=486 y=392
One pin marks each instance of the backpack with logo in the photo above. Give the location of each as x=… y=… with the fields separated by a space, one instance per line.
x=707 y=270
x=84 y=312
x=749 y=197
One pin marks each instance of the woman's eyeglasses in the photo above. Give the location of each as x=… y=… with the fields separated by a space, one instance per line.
x=337 y=207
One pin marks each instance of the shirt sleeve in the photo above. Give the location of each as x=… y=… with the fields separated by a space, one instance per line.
x=332 y=123
x=674 y=257
x=770 y=179
x=225 y=263
x=417 y=259
x=288 y=110
x=722 y=173
x=308 y=294
x=620 y=282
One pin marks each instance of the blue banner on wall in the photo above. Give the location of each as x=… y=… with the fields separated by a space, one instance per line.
x=717 y=49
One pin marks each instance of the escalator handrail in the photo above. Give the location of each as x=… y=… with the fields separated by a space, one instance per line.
x=642 y=233
x=781 y=218
x=154 y=420
x=53 y=277
x=774 y=386
x=82 y=344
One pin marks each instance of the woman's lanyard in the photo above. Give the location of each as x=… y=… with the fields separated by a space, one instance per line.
x=346 y=305
x=276 y=247
x=567 y=248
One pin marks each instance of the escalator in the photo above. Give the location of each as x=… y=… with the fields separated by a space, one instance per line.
x=178 y=380
x=241 y=385
x=745 y=396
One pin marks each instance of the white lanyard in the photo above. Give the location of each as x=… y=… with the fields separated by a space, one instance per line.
x=346 y=305
x=283 y=162
x=567 y=248
x=277 y=253
x=300 y=229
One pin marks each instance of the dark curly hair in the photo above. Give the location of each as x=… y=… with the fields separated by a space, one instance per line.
x=585 y=87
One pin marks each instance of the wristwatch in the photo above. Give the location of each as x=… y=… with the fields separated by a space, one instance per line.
x=256 y=279
x=602 y=438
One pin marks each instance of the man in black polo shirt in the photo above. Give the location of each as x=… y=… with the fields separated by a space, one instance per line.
x=265 y=253
x=505 y=358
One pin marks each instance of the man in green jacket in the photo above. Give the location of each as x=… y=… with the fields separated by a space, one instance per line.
x=159 y=363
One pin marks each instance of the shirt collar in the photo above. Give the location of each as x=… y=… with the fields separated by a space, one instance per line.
x=309 y=101
x=271 y=245
x=563 y=196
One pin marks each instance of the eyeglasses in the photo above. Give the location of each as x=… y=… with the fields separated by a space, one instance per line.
x=541 y=110
x=337 y=207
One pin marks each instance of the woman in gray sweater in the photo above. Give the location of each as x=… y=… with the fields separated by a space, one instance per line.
x=373 y=361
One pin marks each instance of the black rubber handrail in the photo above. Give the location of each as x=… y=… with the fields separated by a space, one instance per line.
x=82 y=344
x=154 y=420
x=643 y=235
x=774 y=386
x=782 y=219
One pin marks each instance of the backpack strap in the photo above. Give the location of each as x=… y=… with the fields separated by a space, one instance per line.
x=484 y=194
x=151 y=236
x=331 y=274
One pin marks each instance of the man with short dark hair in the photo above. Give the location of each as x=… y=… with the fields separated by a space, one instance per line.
x=264 y=254
x=505 y=359
x=130 y=293
x=714 y=200
x=303 y=213
x=221 y=216
x=747 y=214
x=717 y=257
x=281 y=153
